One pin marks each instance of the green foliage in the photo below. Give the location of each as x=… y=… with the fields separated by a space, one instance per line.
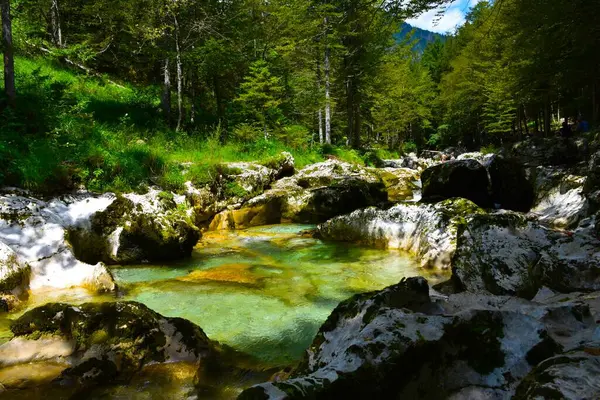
x=409 y=147
x=260 y=96
x=69 y=130
x=489 y=149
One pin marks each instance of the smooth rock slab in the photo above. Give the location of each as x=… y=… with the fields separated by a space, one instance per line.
x=427 y=231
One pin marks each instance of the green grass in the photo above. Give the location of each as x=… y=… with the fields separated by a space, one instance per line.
x=71 y=130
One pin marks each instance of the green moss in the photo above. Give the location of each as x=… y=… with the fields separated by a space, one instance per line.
x=18 y=278
x=234 y=189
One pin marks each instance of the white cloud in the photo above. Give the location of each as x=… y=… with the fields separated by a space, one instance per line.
x=454 y=16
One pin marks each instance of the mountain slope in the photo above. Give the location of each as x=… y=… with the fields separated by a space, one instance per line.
x=421 y=36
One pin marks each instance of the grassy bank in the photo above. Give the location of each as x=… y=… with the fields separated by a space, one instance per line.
x=70 y=129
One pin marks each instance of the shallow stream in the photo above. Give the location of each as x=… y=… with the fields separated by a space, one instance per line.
x=264 y=291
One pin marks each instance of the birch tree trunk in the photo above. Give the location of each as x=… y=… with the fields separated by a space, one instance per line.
x=166 y=95
x=320 y=112
x=179 y=78
x=7 y=47
x=327 y=95
x=55 y=21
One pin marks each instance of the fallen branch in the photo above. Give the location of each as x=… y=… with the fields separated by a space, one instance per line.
x=80 y=66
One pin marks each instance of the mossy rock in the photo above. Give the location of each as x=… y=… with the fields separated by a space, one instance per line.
x=127 y=232
x=114 y=340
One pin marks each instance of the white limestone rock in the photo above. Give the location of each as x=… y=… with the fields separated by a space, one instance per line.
x=572 y=376
x=402 y=343
x=36 y=230
x=427 y=231
x=560 y=198
x=505 y=253
x=402 y=184
x=315 y=194
x=157 y=225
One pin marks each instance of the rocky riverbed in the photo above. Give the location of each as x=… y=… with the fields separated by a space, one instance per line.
x=516 y=236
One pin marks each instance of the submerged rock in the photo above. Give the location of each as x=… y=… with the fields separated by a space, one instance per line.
x=461 y=178
x=400 y=343
x=427 y=231
x=133 y=228
x=103 y=342
x=505 y=253
x=36 y=231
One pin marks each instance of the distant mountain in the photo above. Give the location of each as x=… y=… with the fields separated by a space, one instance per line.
x=422 y=36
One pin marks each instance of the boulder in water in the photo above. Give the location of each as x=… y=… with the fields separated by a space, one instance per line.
x=314 y=194
x=401 y=343
x=103 y=342
x=400 y=183
x=133 y=228
x=14 y=278
x=425 y=230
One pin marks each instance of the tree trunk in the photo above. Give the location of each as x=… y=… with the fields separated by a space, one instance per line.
x=594 y=103
x=327 y=95
x=525 y=121
x=547 y=122
x=166 y=95
x=55 y=21
x=9 y=62
x=192 y=89
x=319 y=113
x=353 y=107
x=179 y=78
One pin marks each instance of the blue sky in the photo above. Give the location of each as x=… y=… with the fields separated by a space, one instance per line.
x=454 y=15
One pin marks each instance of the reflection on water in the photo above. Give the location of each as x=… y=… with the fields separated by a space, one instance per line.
x=264 y=291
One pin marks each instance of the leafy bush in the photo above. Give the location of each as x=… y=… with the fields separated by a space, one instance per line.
x=409 y=147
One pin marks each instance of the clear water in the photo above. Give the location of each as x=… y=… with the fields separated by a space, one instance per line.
x=264 y=291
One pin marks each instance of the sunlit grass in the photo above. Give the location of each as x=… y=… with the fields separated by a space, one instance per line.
x=71 y=130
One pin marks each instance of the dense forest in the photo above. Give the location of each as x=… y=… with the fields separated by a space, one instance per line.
x=111 y=93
